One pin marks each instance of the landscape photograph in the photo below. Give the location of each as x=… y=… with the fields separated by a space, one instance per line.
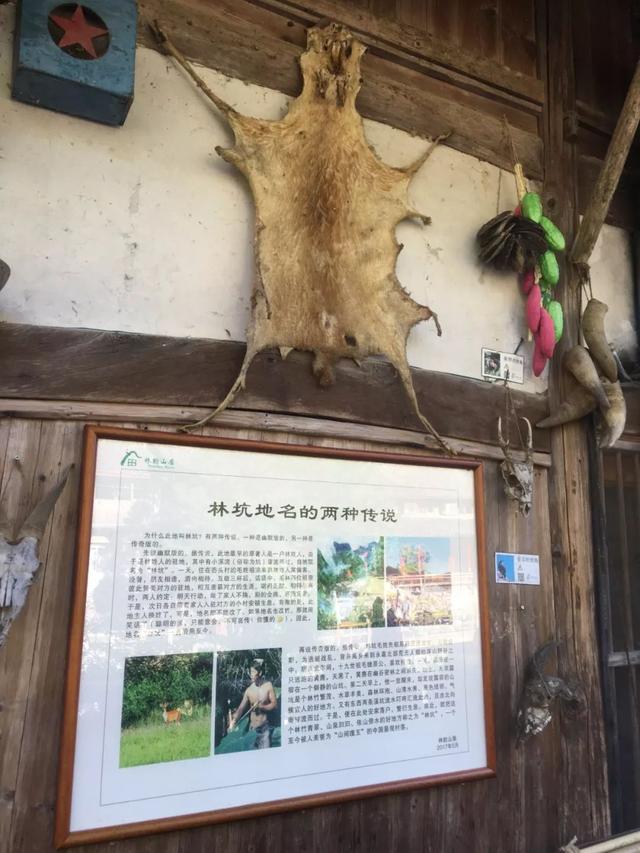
x=351 y=585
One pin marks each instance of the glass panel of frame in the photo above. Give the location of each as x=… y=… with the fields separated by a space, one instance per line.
x=261 y=627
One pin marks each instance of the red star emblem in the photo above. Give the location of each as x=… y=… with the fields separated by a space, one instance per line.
x=77 y=30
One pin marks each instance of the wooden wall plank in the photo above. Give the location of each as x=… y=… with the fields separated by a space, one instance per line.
x=267 y=422
x=540 y=624
x=502 y=815
x=60 y=445
x=581 y=782
x=518 y=36
x=80 y=364
x=415 y=13
x=18 y=486
x=443 y=46
x=479 y=28
x=446 y=16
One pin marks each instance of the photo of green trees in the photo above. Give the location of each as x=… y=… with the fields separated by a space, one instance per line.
x=351 y=583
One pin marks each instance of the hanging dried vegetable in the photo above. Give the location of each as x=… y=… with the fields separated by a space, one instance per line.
x=525 y=241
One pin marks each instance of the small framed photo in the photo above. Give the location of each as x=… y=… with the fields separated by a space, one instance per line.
x=263 y=627
x=502 y=365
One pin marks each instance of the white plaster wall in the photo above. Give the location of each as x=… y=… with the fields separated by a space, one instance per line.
x=145 y=229
x=612 y=282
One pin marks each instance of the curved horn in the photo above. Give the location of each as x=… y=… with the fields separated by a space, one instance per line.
x=578 y=404
x=529 y=434
x=579 y=364
x=613 y=419
x=596 y=339
x=37 y=521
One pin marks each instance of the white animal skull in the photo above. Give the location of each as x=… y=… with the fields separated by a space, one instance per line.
x=518 y=476
x=19 y=560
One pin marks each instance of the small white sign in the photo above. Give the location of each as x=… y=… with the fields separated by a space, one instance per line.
x=502 y=365
x=517 y=568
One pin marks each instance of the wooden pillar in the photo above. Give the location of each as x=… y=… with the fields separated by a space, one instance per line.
x=582 y=779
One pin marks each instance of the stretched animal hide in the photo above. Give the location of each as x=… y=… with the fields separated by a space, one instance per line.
x=326 y=213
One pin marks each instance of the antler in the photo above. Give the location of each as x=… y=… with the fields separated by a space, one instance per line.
x=529 y=442
x=503 y=444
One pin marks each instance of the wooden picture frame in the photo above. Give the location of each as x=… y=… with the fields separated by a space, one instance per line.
x=426 y=652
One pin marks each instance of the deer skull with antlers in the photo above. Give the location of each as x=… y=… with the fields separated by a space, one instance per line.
x=19 y=560
x=518 y=476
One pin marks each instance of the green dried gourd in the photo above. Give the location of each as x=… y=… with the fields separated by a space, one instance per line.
x=531 y=206
x=555 y=312
x=549 y=267
x=554 y=235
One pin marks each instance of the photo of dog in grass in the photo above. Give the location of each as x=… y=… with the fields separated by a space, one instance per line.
x=166 y=709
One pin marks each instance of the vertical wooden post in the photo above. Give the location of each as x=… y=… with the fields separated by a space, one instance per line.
x=582 y=783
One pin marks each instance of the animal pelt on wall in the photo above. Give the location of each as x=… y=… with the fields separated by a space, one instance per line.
x=326 y=213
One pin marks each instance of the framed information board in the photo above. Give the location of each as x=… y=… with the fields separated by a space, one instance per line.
x=261 y=627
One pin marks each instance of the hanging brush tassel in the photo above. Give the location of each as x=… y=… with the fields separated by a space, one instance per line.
x=510 y=242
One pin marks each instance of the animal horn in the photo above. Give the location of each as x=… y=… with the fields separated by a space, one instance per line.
x=613 y=419
x=37 y=521
x=501 y=440
x=596 y=339
x=578 y=362
x=578 y=404
x=529 y=443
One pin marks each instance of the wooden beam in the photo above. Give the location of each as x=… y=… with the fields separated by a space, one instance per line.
x=596 y=211
x=41 y=362
x=79 y=410
x=581 y=771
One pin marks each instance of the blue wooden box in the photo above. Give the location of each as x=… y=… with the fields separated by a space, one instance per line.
x=91 y=77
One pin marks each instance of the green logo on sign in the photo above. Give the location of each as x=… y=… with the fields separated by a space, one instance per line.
x=130 y=459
